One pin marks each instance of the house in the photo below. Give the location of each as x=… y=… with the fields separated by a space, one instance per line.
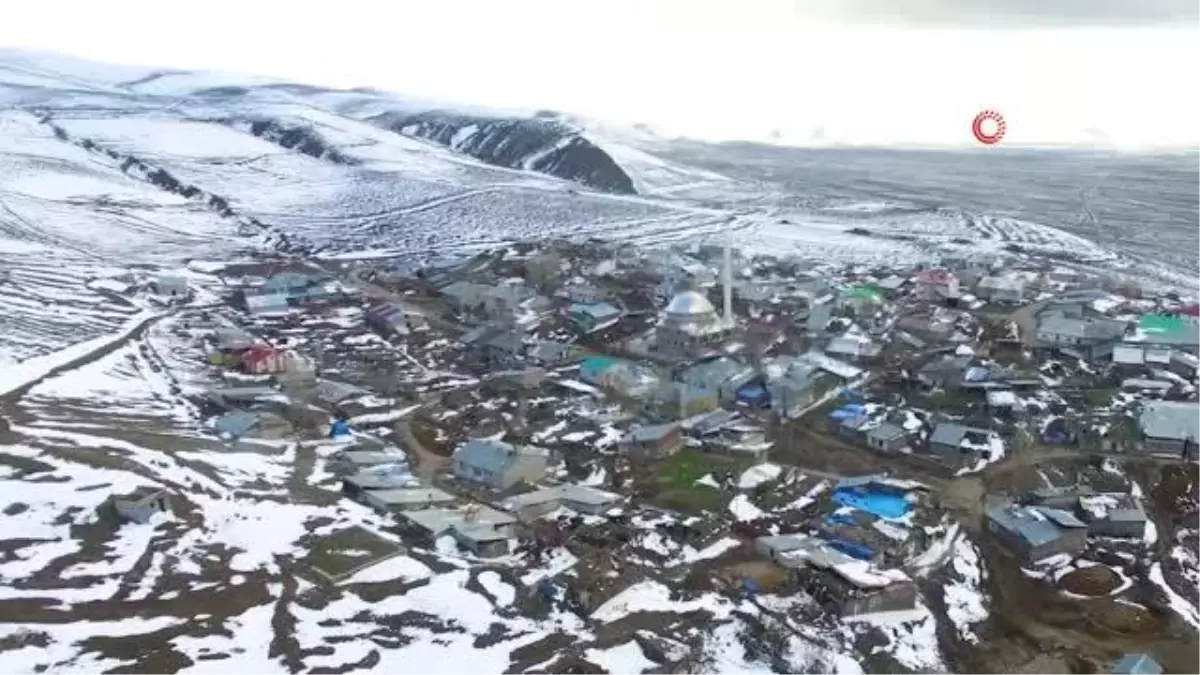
x=395 y=500
x=853 y=347
x=506 y=297
x=947 y=372
x=266 y=303
x=892 y=285
x=632 y=380
x=1036 y=532
x=842 y=584
x=678 y=400
x=389 y=318
x=550 y=352
x=862 y=299
x=578 y=498
x=817 y=314
x=1086 y=338
x=590 y=316
x=230 y=342
x=955 y=440
x=505 y=349
x=294 y=286
x=1137 y=664
x=333 y=392
x=263 y=359
x=170 y=286
x=465 y=296
x=382 y=477
x=499 y=465
x=937 y=284
x=1113 y=515
x=482 y=530
x=1169 y=427
x=657 y=440
x=1004 y=289
x=1184 y=364
x=848 y=420
x=722 y=375
x=1170 y=331
x=791 y=388
x=233 y=397
x=354 y=462
x=592 y=369
x=886 y=437
x=140 y=505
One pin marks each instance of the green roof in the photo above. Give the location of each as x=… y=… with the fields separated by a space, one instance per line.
x=1161 y=323
x=860 y=292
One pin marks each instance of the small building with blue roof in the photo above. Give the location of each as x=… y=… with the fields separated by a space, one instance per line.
x=592 y=369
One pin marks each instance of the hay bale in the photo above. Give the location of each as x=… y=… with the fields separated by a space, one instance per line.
x=1094 y=581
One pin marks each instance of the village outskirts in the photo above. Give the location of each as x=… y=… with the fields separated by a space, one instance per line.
x=589 y=415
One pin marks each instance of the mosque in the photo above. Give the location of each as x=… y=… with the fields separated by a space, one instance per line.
x=690 y=326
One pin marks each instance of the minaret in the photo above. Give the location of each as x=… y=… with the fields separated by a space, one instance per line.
x=727 y=282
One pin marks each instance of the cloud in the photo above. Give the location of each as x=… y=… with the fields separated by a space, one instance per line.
x=1006 y=13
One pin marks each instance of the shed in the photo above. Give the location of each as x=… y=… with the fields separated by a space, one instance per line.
x=141 y=505
x=580 y=498
x=378 y=478
x=949 y=438
x=1170 y=427
x=170 y=285
x=887 y=437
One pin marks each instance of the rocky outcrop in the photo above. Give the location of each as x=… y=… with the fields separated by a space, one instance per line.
x=541 y=143
x=302 y=139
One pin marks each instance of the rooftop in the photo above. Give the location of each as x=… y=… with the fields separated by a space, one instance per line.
x=690 y=304
x=1171 y=420
x=1037 y=525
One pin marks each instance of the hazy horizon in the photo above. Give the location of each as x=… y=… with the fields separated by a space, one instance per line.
x=814 y=73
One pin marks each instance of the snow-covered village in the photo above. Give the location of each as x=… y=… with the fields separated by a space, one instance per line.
x=585 y=457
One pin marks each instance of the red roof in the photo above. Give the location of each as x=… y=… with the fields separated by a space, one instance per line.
x=1190 y=310
x=935 y=277
x=259 y=353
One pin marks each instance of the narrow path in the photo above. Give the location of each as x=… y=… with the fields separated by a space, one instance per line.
x=428 y=463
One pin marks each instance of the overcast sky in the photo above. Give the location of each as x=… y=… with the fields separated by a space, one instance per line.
x=862 y=71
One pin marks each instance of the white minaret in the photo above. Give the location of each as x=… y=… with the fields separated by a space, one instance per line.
x=727 y=282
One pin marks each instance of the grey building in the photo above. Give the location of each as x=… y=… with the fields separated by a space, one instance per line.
x=843 y=585
x=950 y=439
x=332 y=392
x=140 y=505
x=1113 y=515
x=579 y=498
x=1036 y=532
x=1088 y=338
x=171 y=286
x=236 y=424
x=386 y=477
x=481 y=530
x=886 y=437
x=1002 y=289
x=792 y=392
x=351 y=462
x=947 y=372
x=396 y=500
x=1170 y=427
x=723 y=375
x=499 y=465
x=266 y=303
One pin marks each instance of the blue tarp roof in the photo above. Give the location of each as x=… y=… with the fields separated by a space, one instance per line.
x=1137 y=664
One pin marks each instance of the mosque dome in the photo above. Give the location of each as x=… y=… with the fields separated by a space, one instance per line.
x=690 y=305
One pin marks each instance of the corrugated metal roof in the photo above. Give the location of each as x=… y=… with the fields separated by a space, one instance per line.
x=486 y=454
x=235 y=424
x=1171 y=420
x=1036 y=525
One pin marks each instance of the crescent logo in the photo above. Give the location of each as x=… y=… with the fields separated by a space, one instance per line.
x=988 y=127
